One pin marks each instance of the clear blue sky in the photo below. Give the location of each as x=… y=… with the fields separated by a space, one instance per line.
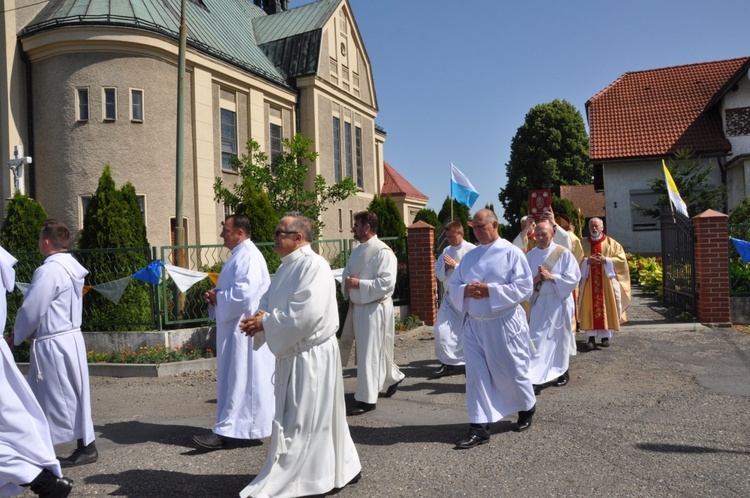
x=455 y=79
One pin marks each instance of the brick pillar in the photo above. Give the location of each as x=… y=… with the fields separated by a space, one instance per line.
x=423 y=287
x=712 y=267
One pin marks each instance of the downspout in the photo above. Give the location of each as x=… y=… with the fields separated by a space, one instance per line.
x=723 y=170
x=30 y=168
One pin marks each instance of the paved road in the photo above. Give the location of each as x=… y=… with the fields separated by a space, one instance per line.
x=664 y=412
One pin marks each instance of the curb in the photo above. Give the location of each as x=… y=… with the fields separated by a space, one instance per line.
x=143 y=370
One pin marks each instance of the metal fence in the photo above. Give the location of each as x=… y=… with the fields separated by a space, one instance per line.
x=155 y=307
x=678 y=262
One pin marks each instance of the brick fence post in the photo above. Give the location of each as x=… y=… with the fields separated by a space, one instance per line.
x=422 y=284
x=712 y=267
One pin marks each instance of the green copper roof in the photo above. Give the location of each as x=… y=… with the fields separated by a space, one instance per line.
x=221 y=28
x=292 y=39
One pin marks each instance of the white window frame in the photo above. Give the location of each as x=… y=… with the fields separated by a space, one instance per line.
x=133 y=118
x=85 y=199
x=79 y=114
x=105 y=116
x=228 y=168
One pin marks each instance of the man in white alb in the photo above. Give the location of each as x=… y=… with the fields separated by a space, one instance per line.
x=27 y=458
x=556 y=276
x=448 y=349
x=492 y=280
x=311 y=449
x=368 y=282
x=244 y=378
x=51 y=317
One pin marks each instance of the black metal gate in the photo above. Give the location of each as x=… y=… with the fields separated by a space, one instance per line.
x=678 y=262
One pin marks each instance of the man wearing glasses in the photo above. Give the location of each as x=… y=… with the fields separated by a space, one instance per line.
x=245 y=396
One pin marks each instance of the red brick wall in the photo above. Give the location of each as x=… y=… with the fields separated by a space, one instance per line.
x=712 y=267
x=423 y=287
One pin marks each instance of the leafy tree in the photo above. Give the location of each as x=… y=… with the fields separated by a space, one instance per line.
x=550 y=149
x=19 y=236
x=283 y=180
x=113 y=220
x=429 y=216
x=460 y=213
x=693 y=181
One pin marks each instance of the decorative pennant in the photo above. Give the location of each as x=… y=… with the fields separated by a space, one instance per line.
x=150 y=274
x=112 y=290
x=214 y=277
x=86 y=289
x=184 y=278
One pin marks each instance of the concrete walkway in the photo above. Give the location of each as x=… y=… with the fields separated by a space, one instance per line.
x=663 y=412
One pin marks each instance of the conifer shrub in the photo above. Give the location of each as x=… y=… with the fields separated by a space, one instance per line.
x=113 y=220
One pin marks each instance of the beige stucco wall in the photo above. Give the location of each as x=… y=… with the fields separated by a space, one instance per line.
x=70 y=155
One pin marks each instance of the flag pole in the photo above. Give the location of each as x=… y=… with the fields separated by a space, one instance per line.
x=451 y=190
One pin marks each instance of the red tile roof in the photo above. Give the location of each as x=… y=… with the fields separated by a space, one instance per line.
x=585 y=198
x=395 y=184
x=657 y=112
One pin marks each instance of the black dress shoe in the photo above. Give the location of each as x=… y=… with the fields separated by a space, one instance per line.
x=524 y=419
x=210 y=441
x=362 y=407
x=563 y=379
x=537 y=389
x=82 y=455
x=444 y=371
x=605 y=342
x=48 y=485
x=471 y=441
x=590 y=345
x=392 y=389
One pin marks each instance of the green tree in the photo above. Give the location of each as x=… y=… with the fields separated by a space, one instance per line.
x=113 y=220
x=429 y=216
x=390 y=223
x=284 y=181
x=550 y=149
x=693 y=182
x=460 y=213
x=24 y=218
x=19 y=236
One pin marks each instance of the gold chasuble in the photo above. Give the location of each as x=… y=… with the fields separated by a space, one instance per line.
x=604 y=298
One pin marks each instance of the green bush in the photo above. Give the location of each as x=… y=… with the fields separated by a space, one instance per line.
x=647 y=272
x=20 y=235
x=113 y=220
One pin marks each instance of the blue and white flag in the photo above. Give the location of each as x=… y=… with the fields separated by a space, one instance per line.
x=461 y=188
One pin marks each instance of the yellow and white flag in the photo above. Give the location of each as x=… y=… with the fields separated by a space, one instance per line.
x=674 y=195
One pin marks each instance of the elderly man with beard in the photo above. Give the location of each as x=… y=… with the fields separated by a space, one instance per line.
x=489 y=285
x=604 y=291
x=556 y=276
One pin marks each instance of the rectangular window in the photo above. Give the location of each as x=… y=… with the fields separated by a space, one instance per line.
x=86 y=200
x=82 y=99
x=341 y=220
x=110 y=104
x=228 y=139
x=136 y=105
x=646 y=199
x=276 y=146
x=348 y=145
x=360 y=168
x=336 y=150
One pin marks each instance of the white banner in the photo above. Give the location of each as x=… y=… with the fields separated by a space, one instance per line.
x=184 y=278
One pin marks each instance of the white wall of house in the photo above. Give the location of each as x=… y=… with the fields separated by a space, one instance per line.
x=626 y=183
x=738 y=174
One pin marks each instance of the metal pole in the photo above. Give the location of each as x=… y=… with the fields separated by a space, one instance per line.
x=179 y=239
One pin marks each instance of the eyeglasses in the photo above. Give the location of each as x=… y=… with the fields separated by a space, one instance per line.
x=277 y=233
